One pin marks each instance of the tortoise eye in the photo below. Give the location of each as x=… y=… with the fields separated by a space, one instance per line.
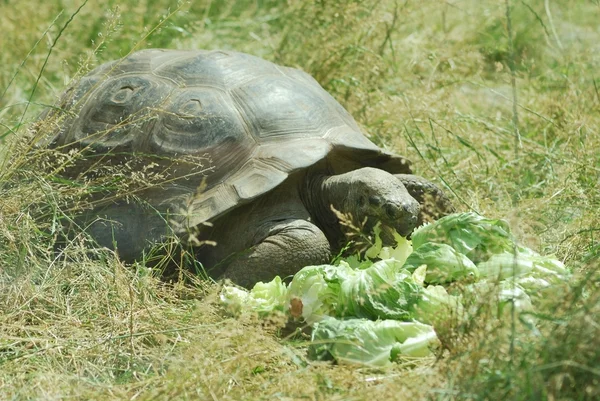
x=375 y=200
x=123 y=94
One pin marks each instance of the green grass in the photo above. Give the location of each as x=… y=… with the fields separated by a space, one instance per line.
x=427 y=79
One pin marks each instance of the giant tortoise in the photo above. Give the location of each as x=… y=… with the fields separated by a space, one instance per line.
x=260 y=151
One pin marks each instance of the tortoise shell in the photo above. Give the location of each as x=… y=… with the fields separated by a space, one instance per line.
x=258 y=122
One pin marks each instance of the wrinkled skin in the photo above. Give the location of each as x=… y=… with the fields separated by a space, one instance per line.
x=288 y=230
x=284 y=230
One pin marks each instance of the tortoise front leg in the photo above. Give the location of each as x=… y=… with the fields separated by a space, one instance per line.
x=281 y=248
x=434 y=202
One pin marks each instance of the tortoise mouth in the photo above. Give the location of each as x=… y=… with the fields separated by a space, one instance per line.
x=400 y=216
x=407 y=224
x=387 y=234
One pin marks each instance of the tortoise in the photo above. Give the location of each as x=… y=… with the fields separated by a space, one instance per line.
x=283 y=156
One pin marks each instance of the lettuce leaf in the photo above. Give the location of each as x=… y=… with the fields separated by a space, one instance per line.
x=504 y=296
x=524 y=262
x=314 y=293
x=399 y=252
x=469 y=234
x=435 y=306
x=444 y=264
x=367 y=342
x=263 y=298
x=381 y=291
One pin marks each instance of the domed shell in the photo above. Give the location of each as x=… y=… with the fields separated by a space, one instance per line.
x=257 y=121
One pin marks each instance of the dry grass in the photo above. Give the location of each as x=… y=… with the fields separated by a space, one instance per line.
x=429 y=79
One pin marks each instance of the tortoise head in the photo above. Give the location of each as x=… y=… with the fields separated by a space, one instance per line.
x=373 y=195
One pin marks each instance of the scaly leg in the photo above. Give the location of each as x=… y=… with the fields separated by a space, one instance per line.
x=281 y=249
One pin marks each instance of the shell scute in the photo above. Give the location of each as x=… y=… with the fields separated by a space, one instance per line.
x=198 y=120
x=117 y=111
x=257 y=178
x=197 y=69
x=277 y=107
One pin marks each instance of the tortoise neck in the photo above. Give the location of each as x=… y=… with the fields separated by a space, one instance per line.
x=319 y=200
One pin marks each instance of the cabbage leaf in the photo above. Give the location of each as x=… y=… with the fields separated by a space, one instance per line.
x=382 y=291
x=444 y=264
x=470 y=234
x=263 y=298
x=367 y=342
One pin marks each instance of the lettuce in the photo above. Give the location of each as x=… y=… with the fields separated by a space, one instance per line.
x=314 y=293
x=263 y=298
x=382 y=307
x=524 y=262
x=505 y=265
x=435 y=305
x=503 y=296
x=399 y=252
x=469 y=234
x=381 y=291
x=444 y=264
x=374 y=343
x=513 y=294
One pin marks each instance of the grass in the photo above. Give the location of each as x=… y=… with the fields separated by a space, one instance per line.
x=435 y=81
